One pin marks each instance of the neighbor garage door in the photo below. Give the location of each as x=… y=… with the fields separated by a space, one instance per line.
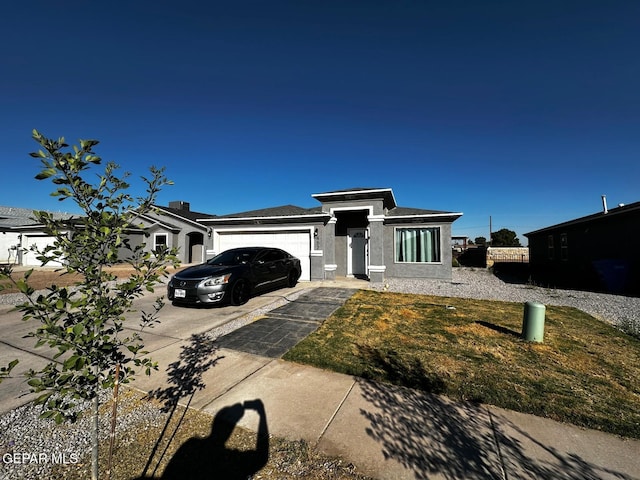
x=297 y=243
x=40 y=242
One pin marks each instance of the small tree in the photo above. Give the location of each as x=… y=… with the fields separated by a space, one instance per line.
x=482 y=241
x=85 y=324
x=504 y=238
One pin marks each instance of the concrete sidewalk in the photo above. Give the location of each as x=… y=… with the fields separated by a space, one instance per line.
x=391 y=432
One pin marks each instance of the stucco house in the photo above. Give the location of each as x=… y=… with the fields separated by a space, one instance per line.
x=358 y=232
x=19 y=231
x=595 y=252
x=175 y=226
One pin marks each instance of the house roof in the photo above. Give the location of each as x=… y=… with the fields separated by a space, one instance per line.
x=186 y=214
x=359 y=193
x=283 y=211
x=619 y=210
x=406 y=211
x=295 y=212
x=17 y=217
x=413 y=215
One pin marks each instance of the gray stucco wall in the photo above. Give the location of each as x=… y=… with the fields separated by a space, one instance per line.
x=377 y=205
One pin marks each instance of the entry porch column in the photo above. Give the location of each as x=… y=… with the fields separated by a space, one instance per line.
x=376 y=249
x=330 y=265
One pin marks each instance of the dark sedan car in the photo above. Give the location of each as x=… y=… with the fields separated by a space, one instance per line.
x=234 y=275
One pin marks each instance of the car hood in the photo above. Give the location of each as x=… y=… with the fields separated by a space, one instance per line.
x=204 y=271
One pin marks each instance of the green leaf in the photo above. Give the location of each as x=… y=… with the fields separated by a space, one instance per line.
x=35 y=383
x=70 y=363
x=64 y=378
x=22 y=286
x=46 y=173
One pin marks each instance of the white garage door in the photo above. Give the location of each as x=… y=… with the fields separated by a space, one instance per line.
x=296 y=243
x=29 y=259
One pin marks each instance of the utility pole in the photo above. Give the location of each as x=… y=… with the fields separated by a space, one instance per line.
x=490 y=230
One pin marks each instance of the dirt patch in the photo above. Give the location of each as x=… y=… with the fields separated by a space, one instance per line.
x=42 y=278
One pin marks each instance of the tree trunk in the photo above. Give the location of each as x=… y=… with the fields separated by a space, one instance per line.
x=94 y=438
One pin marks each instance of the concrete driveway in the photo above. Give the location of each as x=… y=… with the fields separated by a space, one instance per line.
x=177 y=325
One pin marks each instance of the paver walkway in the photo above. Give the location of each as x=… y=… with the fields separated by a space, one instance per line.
x=285 y=326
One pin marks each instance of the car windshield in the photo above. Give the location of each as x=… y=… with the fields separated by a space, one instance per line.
x=232 y=257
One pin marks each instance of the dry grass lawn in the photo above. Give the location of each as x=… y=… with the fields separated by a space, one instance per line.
x=42 y=278
x=586 y=372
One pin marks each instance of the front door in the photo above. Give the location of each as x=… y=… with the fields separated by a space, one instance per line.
x=357 y=252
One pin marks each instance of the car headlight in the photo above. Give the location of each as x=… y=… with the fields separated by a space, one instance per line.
x=211 y=282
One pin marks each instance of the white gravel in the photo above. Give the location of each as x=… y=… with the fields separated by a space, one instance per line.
x=31 y=446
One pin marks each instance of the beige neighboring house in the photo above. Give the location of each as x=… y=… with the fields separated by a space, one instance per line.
x=19 y=231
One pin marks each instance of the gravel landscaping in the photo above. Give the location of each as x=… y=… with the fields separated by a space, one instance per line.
x=482 y=284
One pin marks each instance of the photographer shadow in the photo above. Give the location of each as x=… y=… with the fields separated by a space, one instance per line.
x=209 y=458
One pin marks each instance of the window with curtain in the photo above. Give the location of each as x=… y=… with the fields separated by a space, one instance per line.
x=418 y=245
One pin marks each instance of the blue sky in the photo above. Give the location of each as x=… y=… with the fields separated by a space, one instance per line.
x=523 y=111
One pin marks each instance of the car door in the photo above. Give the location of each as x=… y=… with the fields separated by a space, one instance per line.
x=279 y=266
x=263 y=269
x=270 y=267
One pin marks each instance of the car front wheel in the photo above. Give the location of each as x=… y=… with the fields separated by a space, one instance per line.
x=293 y=278
x=239 y=292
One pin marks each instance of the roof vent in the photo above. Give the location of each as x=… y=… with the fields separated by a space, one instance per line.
x=604 y=204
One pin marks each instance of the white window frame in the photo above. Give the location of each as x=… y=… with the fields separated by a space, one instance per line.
x=414 y=227
x=155 y=240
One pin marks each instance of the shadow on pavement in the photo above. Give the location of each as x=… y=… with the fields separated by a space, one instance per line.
x=423 y=433
x=432 y=436
x=184 y=380
x=200 y=458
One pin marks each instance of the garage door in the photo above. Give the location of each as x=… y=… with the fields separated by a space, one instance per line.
x=297 y=243
x=29 y=259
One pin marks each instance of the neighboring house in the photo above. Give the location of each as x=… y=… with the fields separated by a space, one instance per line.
x=599 y=251
x=172 y=226
x=360 y=232
x=19 y=231
x=175 y=226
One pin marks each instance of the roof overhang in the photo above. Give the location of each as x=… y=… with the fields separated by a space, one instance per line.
x=386 y=194
x=428 y=217
x=181 y=218
x=275 y=218
x=154 y=222
x=596 y=217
